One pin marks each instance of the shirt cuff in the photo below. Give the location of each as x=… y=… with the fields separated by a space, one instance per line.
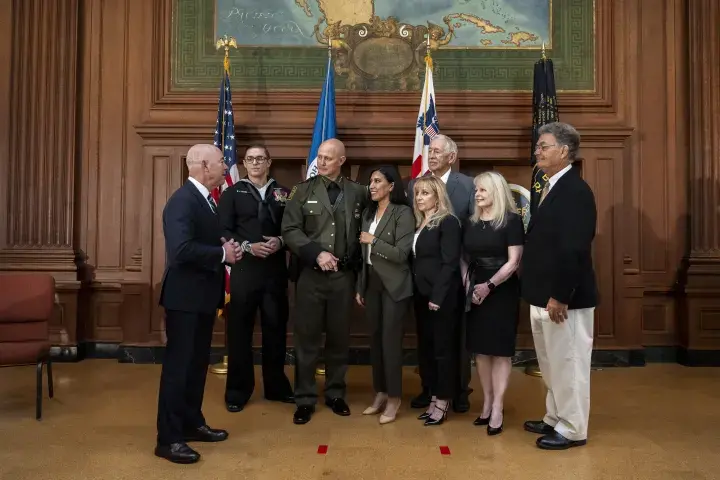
x=223 y=259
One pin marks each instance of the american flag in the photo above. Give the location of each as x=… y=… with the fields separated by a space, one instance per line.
x=225 y=141
x=427 y=126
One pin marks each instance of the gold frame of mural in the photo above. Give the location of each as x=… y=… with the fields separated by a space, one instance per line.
x=460 y=70
x=322 y=38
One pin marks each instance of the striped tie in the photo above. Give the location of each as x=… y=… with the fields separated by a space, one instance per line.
x=544 y=193
x=211 y=201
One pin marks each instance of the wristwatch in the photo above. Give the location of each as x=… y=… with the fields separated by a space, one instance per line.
x=245 y=246
x=491 y=286
x=374 y=241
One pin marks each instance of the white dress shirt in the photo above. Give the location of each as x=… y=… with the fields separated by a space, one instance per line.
x=371 y=231
x=554 y=179
x=205 y=192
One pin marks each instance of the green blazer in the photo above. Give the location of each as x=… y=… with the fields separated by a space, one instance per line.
x=390 y=256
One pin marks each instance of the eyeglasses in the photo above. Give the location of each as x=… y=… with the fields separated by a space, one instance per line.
x=544 y=148
x=258 y=160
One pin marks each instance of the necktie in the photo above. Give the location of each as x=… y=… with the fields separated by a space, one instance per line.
x=544 y=193
x=211 y=201
x=333 y=190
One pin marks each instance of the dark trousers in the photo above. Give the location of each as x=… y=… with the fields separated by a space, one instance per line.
x=437 y=346
x=324 y=301
x=463 y=370
x=386 y=318
x=272 y=300
x=184 y=370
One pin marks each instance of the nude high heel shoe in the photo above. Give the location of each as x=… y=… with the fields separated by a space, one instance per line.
x=385 y=418
x=377 y=406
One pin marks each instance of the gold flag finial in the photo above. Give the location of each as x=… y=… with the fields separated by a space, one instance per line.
x=544 y=57
x=226 y=42
x=428 y=58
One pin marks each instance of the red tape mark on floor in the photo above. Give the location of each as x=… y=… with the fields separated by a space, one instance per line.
x=444 y=450
x=322 y=449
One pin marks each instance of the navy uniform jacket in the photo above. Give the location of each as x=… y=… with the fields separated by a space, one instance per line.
x=245 y=216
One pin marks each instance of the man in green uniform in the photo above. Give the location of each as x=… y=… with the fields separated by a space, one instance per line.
x=321 y=227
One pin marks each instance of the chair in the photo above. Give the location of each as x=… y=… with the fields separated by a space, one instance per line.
x=26 y=306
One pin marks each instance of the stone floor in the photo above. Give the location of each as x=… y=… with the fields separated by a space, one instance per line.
x=656 y=422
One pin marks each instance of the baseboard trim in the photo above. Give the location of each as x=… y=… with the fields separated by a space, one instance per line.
x=361 y=355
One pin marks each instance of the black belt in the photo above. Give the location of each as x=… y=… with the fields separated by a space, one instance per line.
x=476 y=263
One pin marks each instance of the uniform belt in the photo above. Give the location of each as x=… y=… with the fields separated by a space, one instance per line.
x=342 y=265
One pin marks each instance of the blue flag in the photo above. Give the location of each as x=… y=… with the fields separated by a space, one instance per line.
x=325 y=127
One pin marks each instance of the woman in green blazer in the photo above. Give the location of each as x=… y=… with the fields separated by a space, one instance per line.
x=385 y=285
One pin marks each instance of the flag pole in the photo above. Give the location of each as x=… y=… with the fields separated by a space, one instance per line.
x=531 y=369
x=320 y=370
x=225 y=42
x=428 y=63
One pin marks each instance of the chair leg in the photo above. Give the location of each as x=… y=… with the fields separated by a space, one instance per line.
x=50 y=378
x=38 y=400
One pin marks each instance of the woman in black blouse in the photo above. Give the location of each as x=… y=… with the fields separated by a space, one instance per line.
x=437 y=281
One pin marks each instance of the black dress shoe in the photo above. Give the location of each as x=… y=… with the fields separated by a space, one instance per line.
x=206 y=434
x=422 y=400
x=303 y=414
x=539 y=427
x=555 y=441
x=234 y=407
x=177 y=453
x=338 y=406
x=287 y=398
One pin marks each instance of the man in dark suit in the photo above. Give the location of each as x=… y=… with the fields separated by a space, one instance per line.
x=251 y=213
x=192 y=291
x=558 y=282
x=442 y=154
x=321 y=226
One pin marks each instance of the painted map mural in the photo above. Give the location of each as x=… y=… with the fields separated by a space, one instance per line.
x=483 y=24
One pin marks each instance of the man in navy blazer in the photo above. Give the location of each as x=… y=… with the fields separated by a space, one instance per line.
x=442 y=153
x=192 y=291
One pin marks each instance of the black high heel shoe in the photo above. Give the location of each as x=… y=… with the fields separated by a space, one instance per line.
x=426 y=414
x=495 y=430
x=479 y=421
x=429 y=421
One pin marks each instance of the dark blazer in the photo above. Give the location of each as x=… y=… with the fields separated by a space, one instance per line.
x=390 y=256
x=308 y=223
x=460 y=189
x=244 y=216
x=436 y=264
x=194 y=275
x=557 y=258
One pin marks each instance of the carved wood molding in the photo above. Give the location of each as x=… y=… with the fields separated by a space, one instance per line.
x=608 y=56
x=169 y=134
x=42 y=138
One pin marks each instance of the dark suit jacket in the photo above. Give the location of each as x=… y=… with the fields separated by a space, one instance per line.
x=308 y=223
x=557 y=258
x=194 y=275
x=245 y=216
x=390 y=256
x=461 y=190
x=436 y=265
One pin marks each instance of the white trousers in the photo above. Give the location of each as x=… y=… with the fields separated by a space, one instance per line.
x=563 y=353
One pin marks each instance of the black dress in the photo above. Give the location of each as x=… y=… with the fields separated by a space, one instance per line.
x=492 y=325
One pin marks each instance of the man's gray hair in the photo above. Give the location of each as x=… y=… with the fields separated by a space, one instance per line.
x=565 y=135
x=450 y=145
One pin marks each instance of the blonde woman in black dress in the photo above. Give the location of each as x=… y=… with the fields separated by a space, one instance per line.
x=492 y=247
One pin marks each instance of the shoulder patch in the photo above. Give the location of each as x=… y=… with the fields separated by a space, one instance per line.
x=292 y=193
